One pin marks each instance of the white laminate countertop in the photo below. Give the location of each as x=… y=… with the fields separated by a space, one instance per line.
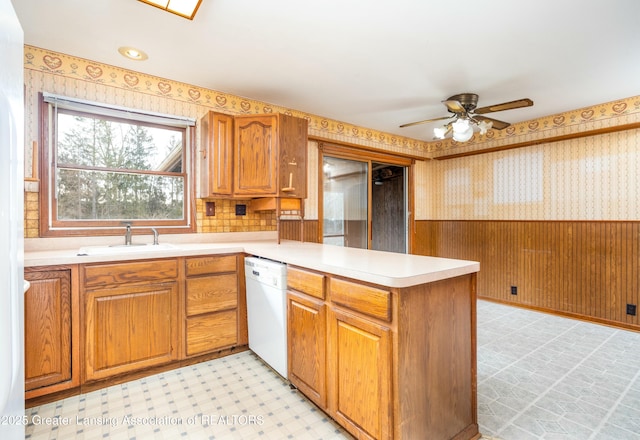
x=383 y=268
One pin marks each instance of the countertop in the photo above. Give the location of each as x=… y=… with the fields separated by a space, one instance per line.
x=383 y=268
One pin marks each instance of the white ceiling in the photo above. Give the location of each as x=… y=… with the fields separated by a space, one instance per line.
x=372 y=63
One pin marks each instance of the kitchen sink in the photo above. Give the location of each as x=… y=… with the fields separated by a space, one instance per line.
x=125 y=249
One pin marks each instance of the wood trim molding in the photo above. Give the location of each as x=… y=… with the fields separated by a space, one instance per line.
x=357 y=150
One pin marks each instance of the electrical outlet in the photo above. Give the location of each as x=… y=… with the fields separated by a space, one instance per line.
x=514 y=290
x=210 y=208
x=241 y=209
x=631 y=309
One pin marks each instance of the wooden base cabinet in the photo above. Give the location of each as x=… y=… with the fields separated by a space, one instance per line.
x=90 y=325
x=51 y=332
x=360 y=371
x=307 y=334
x=395 y=363
x=131 y=312
x=211 y=304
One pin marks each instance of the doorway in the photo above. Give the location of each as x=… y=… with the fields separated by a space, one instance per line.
x=389 y=208
x=365 y=204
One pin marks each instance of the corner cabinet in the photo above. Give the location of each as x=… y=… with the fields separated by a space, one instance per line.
x=251 y=156
x=131 y=312
x=51 y=329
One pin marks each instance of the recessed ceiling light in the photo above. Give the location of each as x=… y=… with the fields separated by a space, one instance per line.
x=183 y=8
x=132 y=53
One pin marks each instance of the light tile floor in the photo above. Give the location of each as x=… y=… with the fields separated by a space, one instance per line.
x=539 y=377
x=545 y=377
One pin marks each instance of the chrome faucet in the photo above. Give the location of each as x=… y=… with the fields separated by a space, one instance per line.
x=155 y=235
x=127 y=235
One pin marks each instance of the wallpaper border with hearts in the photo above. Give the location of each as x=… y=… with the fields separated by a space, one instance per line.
x=55 y=63
x=600 y=115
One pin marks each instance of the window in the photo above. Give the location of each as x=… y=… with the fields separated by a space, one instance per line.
x=111 y=165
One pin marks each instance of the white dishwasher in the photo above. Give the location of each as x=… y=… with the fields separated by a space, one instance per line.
x=266 y=311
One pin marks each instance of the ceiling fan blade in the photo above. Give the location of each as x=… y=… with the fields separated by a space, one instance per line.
x=498 y=125
x=425 y=121
x=454 y=106
x=504 y=106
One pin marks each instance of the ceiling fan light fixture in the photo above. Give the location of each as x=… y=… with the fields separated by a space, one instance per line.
x=461 y=125
x=462 y=108
x=484 y=126
x=462 y=130
x=441 y=132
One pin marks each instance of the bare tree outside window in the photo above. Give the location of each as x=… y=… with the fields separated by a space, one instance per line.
x=106 y=169
x=101 y=170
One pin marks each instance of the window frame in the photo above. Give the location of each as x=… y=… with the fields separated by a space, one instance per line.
x=51 y=227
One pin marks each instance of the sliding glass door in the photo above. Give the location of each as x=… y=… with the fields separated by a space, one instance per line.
x=364 y=204
x=345 y=207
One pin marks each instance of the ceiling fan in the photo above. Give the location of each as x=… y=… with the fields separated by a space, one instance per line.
x=466 y=115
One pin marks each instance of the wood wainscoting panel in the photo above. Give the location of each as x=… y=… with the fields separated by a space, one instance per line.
x=583 y=269
x=290 y=230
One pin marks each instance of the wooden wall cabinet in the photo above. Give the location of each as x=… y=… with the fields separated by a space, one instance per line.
x=250 y=156
x=51 y=321
x=270 y=156
x=131 y=312
x=216 y=160
x=211 y=304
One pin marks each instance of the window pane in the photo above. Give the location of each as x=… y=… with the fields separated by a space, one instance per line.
x=345 y=202
x=98 y=142
x=101 y=195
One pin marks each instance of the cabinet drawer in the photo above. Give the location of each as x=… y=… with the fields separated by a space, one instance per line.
x=133 y=272
x=211 y=332
x=212 y=293
x=210 y=265
x=310 y=283
x=360 y=298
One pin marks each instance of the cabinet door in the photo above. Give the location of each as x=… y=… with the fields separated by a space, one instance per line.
x=255 y=160
x=47 y=329
x=130 y=327
x=306 y=333
x=216 y=164
x=360 y=375
x=292 y=150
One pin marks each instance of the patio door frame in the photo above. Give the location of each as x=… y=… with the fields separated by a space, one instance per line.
x=369 y=156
